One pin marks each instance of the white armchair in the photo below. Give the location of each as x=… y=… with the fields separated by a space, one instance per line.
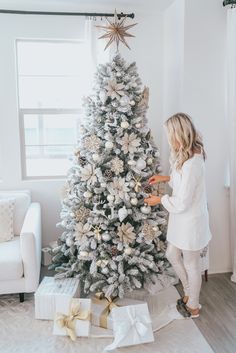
x=20 y=258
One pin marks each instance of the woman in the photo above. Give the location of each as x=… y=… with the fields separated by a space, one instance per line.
x=188 y=227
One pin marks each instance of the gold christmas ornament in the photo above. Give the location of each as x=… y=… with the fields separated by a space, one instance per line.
x=82 y=214
x=117 y=165
x=125 y=233
x=115 y=89
x=144 y=98
x=97 y=232
x=149 y=231
x=138 y=184
x=92 y=142
x=101 y=262
x=116 y=31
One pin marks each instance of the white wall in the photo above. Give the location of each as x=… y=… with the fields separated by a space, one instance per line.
x=173 y=67
x=204 y=99
x=194 y=82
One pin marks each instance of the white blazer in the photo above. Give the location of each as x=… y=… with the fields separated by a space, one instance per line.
x=188 y=227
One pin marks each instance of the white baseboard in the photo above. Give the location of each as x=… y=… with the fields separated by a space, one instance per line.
x=212 y=271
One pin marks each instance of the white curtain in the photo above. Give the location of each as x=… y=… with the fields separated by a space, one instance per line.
x=96 y=53
x=231 y=113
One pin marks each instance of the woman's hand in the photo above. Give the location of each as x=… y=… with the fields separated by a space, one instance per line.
x=152 y=200
x=158 y=179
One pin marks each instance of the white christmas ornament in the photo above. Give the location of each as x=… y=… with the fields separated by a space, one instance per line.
x=138 y=125
x=103 y=96
x=131 y=162
x=88 y=194
x=149 y=161
x=141 y=164
x=134 y=201
x=122 y=213
x=84 y=253
x=69 y=242
x=95 y=157
x=128 y=251
x=132 y=183
x=106 y=237
x=124 y=100
x=105 y=270
x=109 y=144
x=110 y=198
x=124 y=124
x=146 y=209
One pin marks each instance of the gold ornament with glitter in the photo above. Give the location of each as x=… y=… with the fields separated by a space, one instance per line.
x=82 y=214
x=114 y=89
x=92 y=142
x=149 y=231
x=97 y=232
x=117 y=165
x=102 y=262
x=116 y=31
x=138 y=184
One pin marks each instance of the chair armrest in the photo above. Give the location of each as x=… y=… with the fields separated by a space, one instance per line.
x=30 y=242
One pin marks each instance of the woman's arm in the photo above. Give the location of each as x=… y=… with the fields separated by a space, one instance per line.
x=158 y=179
x=181 y=201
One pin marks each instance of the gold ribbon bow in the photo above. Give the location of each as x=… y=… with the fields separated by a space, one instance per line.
x=108 y=304
x=68 y=321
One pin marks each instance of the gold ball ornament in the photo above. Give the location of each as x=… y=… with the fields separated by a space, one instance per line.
x=84 y=253
x=134 y=201
x=124 y=124
x=149 y=161
x=128 y=251
x=88 y=194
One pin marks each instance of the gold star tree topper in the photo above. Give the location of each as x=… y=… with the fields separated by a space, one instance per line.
x=116 y=31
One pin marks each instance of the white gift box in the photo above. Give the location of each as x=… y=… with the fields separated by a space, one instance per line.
x=47 y=292
x=131 y=325
x=98 y=310
x=64 y=305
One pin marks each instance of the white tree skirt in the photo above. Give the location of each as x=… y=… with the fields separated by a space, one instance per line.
x=21 y=333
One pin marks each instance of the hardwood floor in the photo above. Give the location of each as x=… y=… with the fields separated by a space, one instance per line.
x=217 y=321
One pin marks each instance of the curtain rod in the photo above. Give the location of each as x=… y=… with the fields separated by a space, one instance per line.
x=55 y=13
x=229 y=2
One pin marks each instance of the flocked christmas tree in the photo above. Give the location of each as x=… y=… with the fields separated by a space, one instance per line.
x=112 y=241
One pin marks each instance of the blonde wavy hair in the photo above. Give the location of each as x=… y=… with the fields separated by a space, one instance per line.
x=183 y=138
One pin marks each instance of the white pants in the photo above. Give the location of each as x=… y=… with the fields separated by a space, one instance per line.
x=188 y=269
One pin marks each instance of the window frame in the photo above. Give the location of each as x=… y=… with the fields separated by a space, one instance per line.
x=42 y=111
x=24 y=111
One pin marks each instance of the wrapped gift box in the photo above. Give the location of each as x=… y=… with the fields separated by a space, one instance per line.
x=101 y=310
x=131 y=325
x=47 y=292
x=72 y=317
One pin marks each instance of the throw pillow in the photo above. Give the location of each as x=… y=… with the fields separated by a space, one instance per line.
x=6 y=219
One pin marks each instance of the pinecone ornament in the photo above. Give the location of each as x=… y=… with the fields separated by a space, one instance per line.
x=82 y=161
x=114 y=251
x=108 y=174
x=147 y=189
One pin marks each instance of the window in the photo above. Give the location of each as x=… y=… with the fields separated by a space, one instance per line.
x=53 y=77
